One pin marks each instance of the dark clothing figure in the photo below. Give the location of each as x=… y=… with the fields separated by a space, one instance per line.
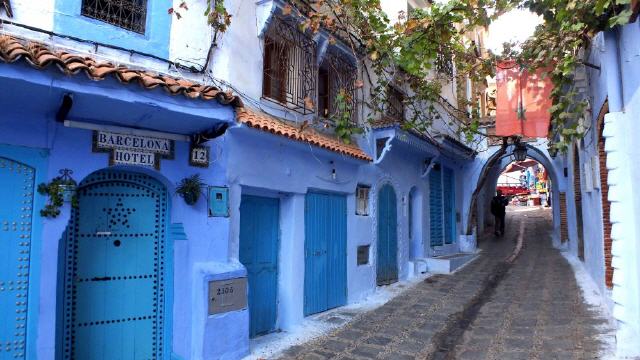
x=498 y=205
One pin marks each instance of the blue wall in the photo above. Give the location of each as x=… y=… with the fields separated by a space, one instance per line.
x=155 y=40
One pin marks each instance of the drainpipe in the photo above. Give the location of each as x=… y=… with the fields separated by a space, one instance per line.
x=611 y=59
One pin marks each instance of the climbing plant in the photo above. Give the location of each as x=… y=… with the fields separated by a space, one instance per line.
x=416 y=51
x=568 y=28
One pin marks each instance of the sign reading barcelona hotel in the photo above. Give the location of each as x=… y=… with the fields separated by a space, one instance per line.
x=128 y=149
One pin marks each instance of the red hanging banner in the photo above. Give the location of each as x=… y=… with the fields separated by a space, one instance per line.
x=523 y=100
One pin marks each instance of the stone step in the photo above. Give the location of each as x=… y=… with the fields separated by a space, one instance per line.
x=447 y=264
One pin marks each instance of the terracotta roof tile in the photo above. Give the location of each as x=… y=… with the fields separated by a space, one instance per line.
x=275 y=126
x=40 y=56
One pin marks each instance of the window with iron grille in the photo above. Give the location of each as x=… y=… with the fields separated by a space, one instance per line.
x=395 y=103
x=336 y=74
x=289 y=72
x=444 y=63
x=127 y=14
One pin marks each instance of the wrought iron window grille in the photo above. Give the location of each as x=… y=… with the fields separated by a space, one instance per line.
x=395 y=103
x=336 y=74
x=127 y=14
x=444 y=63
x=290 y=71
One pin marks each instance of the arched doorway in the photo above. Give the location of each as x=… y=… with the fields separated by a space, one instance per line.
x=488 y=177
x=116 y=268
x=387 y=264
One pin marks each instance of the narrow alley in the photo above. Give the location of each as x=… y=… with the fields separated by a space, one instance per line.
x=518 y=300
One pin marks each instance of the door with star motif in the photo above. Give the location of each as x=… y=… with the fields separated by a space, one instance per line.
x=115 y=271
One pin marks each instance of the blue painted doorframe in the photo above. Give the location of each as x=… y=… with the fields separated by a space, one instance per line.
x=449 y=203
x=325 y=274
x=442 y=206
x=436 y=226
x=16 y=192
x=259 y=235
x=387 y=260
x=21 y=168
x=115 y=301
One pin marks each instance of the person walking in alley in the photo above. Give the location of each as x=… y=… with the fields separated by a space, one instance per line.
x=498 y=204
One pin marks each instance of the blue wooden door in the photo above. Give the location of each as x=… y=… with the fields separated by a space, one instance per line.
x=387 y=259
x=115 y=277
x=16 y=192
x=448 y=185
x=436 y=221
x=259 y=233
x=325 y=273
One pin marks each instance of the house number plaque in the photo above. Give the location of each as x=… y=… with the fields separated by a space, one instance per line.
x=227 y=295
x=199 y=156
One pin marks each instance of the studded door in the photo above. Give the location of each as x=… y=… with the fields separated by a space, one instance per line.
x=114 y=284
x=16 y=192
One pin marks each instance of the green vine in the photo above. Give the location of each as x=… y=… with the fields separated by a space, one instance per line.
x=55 y=190
x=343 y=117
x=410 y=52
x=217 y=16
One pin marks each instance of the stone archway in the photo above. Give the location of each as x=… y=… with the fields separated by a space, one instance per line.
x=487 y=177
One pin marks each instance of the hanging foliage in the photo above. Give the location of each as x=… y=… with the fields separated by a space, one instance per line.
x=427 y=48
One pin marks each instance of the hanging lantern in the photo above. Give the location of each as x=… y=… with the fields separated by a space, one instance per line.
x=520 y=152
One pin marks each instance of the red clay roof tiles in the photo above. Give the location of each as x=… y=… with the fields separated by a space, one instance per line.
x=275 y=126
x=41 y=56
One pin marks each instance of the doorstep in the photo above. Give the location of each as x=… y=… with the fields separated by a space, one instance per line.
x=448 y=264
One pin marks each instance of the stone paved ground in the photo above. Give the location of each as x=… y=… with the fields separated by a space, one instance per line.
x=488 y=310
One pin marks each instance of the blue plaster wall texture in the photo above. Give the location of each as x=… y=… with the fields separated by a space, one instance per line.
x=155 y=41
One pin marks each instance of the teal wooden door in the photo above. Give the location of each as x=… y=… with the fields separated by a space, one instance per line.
x=16 y=192
x=449 y=202
x=436 y=221
x=325 y=273
x=387 y=260
x=259 y=234
x=115 y=271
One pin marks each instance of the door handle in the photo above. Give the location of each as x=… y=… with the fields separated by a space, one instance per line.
x=104 y=278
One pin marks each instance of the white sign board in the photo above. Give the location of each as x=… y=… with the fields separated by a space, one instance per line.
x=129 y=149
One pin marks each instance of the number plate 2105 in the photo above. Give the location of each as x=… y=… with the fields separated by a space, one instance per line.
x=227 y=295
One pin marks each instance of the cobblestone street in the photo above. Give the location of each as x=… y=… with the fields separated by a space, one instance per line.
x=531 y=308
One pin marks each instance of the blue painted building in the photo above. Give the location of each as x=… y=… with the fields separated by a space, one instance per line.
x=127 y=266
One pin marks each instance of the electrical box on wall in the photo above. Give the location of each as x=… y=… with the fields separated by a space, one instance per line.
x=218 y=201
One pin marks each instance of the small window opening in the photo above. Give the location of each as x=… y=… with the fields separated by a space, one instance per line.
x=362 y=200
x=323 y=92
x=363 y=254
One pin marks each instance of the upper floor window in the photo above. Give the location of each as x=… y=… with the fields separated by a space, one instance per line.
x=289 y=75
x=336 y=79
x=127 y=14
x=444 y=63
x=395 y=106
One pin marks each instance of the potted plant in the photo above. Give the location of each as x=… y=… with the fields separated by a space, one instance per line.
x=190 y=188
x=59 y=190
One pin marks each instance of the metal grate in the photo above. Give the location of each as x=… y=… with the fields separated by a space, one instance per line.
x=444 y=63
x=127 y=14
x=395 y=103
x=289 y=72
x=336 y=74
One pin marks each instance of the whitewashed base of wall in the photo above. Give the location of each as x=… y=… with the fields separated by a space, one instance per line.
x=468 y=243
